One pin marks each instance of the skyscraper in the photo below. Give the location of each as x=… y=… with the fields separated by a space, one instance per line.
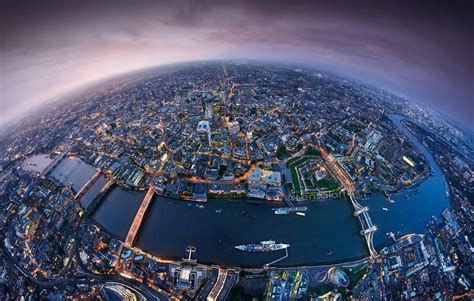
x=204 y=131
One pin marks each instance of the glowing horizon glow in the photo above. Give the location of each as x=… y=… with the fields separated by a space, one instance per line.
x=53 y=48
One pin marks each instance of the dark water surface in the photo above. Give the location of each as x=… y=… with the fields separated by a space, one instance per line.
x=117 y=210
x=169 y=225
x=89 y=195
x=73 y=171
x=413 y=208
x=37 y=162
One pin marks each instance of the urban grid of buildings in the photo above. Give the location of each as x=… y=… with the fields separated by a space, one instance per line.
x=243 y=130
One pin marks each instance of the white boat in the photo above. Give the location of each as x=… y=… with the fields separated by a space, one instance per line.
x=301 y=213
x=385 y=209
x=282 y=211
x=264 y=246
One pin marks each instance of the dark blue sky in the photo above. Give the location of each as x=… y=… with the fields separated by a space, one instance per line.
x=422 y=49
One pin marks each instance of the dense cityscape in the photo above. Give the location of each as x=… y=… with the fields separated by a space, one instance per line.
x=100 y=192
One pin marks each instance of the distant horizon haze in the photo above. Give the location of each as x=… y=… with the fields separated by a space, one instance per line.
x=420 y=49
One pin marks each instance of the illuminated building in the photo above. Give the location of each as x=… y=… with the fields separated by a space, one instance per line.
x=204 y=131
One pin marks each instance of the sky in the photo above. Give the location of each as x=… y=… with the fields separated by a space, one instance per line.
x=421 y=49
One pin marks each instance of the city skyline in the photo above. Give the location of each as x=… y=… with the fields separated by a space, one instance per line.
x=318 y=184
x=236 y=150
x=420 y=50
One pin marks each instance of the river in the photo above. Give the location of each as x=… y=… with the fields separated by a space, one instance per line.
x=73 y=171
x=413 y=208
x=170 y=225
x=37 y=163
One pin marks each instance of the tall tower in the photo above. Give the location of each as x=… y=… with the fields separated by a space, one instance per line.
x=204 y=131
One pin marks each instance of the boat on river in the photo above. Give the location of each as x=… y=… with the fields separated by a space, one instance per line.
x=263 y=246
x=280 y=211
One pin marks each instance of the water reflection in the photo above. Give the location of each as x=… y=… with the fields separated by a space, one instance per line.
x=170 y=225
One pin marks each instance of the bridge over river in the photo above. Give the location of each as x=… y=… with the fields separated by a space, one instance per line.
x=168 y=225
x=361 y=212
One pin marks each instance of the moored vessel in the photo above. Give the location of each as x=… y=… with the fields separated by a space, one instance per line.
x=263 y=246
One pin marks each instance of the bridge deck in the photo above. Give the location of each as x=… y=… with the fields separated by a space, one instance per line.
x=359 y=210
x=88 y=184
x=362 y=210
x=98 y=197
x=107 y=186
x=55 y=162
x=137 y=221
x=216 y=290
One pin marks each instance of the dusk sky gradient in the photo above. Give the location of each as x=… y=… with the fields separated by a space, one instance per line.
x=421 y=49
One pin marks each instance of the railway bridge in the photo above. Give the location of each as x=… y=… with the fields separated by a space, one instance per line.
x=98 y=197
x=55 y=162
x=88 y=185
